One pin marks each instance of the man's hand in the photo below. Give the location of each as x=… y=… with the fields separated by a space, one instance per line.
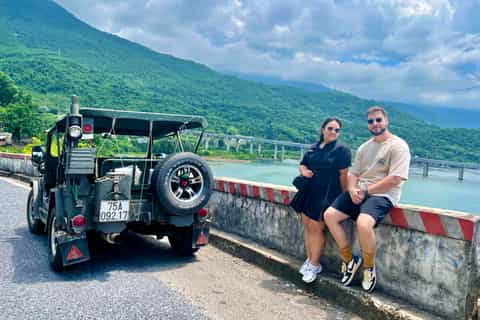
x=356 y=195
x=307 y=173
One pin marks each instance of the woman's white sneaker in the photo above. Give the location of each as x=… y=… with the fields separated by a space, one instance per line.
x=303 y=268
x=311 y=272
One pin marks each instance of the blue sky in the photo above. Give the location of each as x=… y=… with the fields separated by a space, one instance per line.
x=414 y=51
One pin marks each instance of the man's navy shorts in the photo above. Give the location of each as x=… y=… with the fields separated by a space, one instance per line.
x=375 y=206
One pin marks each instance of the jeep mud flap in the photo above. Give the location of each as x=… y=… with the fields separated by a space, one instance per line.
x=200 y=234
x=74 y=248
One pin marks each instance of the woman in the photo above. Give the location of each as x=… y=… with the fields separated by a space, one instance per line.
x=325 y=167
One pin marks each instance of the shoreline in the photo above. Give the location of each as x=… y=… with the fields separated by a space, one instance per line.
x=220 y=159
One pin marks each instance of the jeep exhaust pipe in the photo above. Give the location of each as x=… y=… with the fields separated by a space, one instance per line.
x=111 y=238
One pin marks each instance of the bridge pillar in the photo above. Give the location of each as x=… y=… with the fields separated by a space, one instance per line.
x=259 y=149
x=217 y=143
x=301 y=153
x=460 y=173
x=237 y=147
x=283 y=153
x=275 y=151
x=425 y=169
x=227 y=143
x=251 y=147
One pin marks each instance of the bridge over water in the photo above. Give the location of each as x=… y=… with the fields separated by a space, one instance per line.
x=256 y=145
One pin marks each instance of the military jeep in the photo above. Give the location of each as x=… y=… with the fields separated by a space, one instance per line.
x=105 y=172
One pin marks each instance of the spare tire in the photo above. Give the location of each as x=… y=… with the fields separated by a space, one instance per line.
x=182 y=183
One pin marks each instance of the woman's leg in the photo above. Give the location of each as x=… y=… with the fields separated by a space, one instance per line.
x=316 y=240
x=306 y=234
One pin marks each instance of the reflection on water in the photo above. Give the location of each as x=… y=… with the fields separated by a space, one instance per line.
x=441 y=189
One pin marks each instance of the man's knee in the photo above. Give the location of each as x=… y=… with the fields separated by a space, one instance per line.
x=331 y=215
x=365 y=222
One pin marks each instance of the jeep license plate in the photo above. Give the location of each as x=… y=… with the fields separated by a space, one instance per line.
x=114 y=210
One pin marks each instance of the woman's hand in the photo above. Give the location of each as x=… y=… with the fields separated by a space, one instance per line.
x=306 y=173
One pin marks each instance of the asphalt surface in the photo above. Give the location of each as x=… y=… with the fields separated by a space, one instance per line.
x=139 y=279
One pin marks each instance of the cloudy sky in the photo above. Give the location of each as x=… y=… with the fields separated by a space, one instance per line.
x=417 y=51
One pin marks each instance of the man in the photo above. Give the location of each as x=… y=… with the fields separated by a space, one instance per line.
x=374 y=184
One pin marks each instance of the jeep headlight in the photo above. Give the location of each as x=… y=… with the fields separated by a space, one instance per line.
x=75 y=132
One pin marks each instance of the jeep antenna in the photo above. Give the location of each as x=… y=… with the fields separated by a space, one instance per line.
x=74 y=108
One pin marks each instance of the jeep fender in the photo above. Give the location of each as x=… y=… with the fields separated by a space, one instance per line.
x=34 y=184
x=56 y=197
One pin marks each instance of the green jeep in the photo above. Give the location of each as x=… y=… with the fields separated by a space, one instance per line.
x=103 y=172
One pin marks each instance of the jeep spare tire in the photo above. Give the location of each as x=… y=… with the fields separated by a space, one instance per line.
x=182 y=183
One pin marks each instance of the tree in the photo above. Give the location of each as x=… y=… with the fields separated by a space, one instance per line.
x=8 y=90
x=19 y=119
x=17 y=113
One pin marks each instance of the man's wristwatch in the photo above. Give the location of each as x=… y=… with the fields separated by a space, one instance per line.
x=364 y=188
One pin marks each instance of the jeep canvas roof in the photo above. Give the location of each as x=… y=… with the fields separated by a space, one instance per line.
x=137 y=123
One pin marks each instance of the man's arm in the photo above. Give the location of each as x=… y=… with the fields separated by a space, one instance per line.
x=385 y=184
x=356 y=194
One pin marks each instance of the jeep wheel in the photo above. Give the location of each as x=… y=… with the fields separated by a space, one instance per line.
x=181 y=241
x=35 y=225
x=182 y=183
x=54 y=254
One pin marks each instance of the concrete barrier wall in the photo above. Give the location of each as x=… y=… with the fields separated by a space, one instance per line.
x=427 y=257
x=16 y=163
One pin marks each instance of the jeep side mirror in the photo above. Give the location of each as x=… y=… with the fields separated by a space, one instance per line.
x=38 y=155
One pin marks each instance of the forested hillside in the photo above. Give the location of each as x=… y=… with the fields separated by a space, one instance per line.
x=50 y=54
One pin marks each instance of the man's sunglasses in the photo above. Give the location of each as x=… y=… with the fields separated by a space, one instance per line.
x=337 y=130
x=377 y=120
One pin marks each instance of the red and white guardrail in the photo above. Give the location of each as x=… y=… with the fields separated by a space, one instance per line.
x=446 y=223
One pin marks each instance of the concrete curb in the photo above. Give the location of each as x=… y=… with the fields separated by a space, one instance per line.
x=369 y=306
x=21 y=177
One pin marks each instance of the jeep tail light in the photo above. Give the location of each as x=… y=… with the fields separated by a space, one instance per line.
x=79 y=221
x=202 y=212
x=87 y=128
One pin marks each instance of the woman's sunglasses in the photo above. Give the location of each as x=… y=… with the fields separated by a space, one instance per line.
x=337 y=130
x=377 y=120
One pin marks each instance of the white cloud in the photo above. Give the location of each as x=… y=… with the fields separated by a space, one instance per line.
x=425 y=51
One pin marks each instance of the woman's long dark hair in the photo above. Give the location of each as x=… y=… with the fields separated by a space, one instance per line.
x=324 y=124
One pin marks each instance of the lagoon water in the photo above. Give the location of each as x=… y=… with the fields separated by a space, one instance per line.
x=441 y=189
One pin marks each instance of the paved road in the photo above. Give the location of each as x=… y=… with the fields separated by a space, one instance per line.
x=140 y=279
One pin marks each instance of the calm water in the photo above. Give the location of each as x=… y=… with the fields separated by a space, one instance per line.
x=441 y=189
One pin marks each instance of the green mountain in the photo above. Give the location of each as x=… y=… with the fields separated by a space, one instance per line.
x=51 y=54
x=444 y=117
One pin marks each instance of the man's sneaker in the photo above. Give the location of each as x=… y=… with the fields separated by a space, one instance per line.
x=350 y=269
x=311 y=272
x=369 y=279
x=303 y=268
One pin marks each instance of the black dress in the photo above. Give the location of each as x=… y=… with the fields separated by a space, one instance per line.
x=324 y=186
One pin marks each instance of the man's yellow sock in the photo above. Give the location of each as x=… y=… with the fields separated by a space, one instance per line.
x=346 y=254
x=368 y=260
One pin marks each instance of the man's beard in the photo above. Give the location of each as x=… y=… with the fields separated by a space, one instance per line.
x=378 y=133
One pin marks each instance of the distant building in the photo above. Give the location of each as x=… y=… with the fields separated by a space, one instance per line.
x=5 y=138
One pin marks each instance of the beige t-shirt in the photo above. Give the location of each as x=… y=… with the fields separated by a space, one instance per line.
x=376 y=160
